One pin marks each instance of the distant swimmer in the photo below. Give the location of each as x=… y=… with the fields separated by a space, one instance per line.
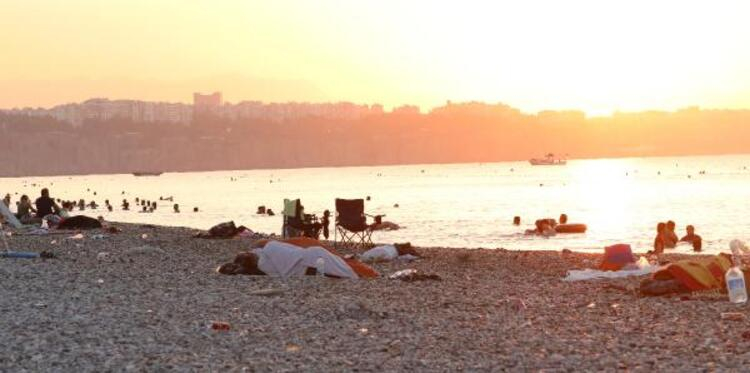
x=176 y=208
x=516 y=220
x=692 y=238
x=396 y=205
x=195 y=209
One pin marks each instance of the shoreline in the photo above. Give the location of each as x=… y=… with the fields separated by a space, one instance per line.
x=493 y=310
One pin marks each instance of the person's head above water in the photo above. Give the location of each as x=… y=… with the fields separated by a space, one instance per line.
x=660 y=227
x=563 y=219
x=670 y=225
x=690 y=230
x=45 y=192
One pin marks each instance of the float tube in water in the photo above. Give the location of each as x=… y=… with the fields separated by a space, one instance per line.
x=570 y=228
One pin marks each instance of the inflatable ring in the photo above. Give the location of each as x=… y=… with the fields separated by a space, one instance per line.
x=570 y=228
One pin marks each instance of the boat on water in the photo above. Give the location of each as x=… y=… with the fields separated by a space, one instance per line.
x=548 y=160
x=146 y=173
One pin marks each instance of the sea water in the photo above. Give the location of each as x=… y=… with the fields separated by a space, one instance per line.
x=455 y=205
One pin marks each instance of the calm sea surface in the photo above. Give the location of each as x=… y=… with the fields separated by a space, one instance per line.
x=456 y=205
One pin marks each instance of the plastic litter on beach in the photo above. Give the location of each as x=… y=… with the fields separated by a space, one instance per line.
x=413 y=275
x=102 y=256
x=78 y=236
x=733 y=316
x=267 y=292
x=222 y=326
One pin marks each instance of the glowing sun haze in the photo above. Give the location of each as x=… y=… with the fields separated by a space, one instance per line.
x=597 y=56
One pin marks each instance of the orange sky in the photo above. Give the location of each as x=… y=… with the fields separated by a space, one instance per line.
x=598 y=56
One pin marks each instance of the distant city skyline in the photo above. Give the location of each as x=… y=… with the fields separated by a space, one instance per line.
x=594 y=56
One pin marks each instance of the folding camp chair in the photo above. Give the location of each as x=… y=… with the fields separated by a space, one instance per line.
x=351 y=224
x=292 y=220
x=297 y=223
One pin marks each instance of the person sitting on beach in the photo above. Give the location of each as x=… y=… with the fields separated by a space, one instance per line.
x=46 y=205
x=670 y=237
x=25 y=209
x=64 y=212
x=693 y=238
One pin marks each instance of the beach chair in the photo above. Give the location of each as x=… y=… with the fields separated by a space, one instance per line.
x=351 y=224
x=292 y=219
x=297 y=223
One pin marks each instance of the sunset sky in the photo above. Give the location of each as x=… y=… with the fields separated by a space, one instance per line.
x=597 y=56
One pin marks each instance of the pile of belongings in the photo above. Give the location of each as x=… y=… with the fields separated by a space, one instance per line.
x=689 y=275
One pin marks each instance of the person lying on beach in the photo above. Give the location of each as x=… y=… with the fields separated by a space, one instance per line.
x=692 y=238
x=282 y=259
x=387 y=253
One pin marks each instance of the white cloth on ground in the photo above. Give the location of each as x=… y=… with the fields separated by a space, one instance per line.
x=286 y=260
x=382 y=253
x=593 y=274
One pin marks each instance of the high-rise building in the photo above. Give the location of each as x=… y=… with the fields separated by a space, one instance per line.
x=210 y=103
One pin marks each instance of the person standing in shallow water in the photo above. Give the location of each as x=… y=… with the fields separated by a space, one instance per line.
x=670 y=237
x=659 y=239
x=693 y=238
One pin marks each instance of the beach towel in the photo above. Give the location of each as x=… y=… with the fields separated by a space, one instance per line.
x=697 y=274
x=287 y=260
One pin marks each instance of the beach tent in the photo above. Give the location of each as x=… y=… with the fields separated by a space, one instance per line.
x=9 y=217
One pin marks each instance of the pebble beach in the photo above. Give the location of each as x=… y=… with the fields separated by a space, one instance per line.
x=145 y=299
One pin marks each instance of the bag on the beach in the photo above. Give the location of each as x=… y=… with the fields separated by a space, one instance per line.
x=616 y=257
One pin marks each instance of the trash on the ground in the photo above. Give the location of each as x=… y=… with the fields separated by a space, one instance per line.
x=267 y=292
x=291 y=347
x=98 y=237
x=19 y=254
x=99 y=281
x=144 y=236
x=733 y=316
x=102 y=256
x=413 y=275
x=220 y=326
x=78 y=236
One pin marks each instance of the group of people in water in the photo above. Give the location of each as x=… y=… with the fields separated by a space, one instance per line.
x=53 y=210
x=666 y=238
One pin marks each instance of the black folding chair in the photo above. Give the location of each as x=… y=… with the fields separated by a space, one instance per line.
x=351 y=224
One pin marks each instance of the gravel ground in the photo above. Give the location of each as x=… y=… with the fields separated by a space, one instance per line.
x=494 y=310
